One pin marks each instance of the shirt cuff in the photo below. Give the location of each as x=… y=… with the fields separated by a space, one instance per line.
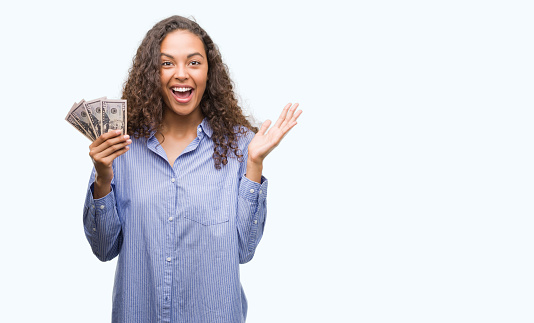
x=252 y=191
x=101 y=205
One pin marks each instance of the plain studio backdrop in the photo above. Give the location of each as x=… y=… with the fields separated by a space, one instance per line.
x=404 y=194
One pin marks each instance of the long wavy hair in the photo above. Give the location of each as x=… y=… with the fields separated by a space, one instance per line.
x=219 y=105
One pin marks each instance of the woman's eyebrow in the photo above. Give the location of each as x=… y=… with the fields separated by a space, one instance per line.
x=193 y=54
x=170 y=56
x=188 y=56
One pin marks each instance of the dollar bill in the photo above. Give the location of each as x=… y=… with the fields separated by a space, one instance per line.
x=96 y=117
x=113 y=115
x=79 y=113
x=94 y=110
x=72 y=120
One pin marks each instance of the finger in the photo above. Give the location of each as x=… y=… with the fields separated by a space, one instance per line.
x=289 y=115
x=104 y=137
x=291 y=123
x=282 y=115
x=264 y=127
x=111 y=150
x=289 y=127
x=295 y=116
x=108 y=143
x=116 y=154
x=108 y=135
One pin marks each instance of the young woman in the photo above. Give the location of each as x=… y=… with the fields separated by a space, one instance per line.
x=181 y=198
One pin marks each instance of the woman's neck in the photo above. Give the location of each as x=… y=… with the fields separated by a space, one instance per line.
x=180 y=126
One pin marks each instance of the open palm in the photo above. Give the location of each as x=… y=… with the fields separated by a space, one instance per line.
x=264 y=142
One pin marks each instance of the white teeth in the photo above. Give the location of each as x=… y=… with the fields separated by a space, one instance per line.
x=181 y=89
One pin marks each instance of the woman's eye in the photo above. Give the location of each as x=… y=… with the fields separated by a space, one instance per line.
x=166 y=64
x=195 y=63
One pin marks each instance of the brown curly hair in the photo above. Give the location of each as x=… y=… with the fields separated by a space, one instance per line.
x=219 y=105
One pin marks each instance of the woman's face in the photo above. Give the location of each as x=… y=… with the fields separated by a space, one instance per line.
x=184 y=72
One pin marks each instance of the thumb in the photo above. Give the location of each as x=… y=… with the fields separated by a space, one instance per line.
x=264 y=127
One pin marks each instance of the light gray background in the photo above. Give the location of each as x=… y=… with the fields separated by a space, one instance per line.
x=403 y=195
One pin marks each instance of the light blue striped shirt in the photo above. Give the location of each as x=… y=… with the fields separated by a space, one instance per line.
x=180 y=232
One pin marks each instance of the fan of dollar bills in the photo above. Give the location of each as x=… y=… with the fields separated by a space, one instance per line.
x=96 y=117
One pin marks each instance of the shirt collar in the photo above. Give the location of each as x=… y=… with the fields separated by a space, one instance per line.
x=205 y=125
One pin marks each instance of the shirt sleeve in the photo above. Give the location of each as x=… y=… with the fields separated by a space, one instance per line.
x=251 y=214
x=101 y=223
x=251 y=211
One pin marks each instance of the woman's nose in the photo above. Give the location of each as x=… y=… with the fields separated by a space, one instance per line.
x=180 y=73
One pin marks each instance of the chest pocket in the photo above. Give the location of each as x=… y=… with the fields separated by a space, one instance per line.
x=208 y=201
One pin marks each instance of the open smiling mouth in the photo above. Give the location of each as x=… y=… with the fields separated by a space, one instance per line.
x=182 y=94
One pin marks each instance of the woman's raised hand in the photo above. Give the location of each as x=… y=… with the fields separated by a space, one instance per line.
x=264 y=142
x=103 y=151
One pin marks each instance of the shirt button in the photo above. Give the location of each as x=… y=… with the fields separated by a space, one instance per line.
x=170 y=218
x=251 y=190
x=260 y=191
x=94 y=229
x=169 y=259
x=255 y=221
x=93 y=206
x=102 y=207
x=199 y=129
x=173 y=180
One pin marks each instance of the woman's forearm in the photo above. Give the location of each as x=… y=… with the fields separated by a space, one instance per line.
x=254 y=170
